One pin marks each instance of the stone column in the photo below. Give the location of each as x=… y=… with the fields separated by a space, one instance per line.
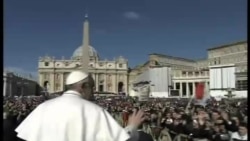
x=174 y=86
x=187 y=90
x=105 y=83
x=193 y=88
x=181 y=89
x=109 y=80
x=4 y=86
x=116 y=83
x=61 y=81
x=52 y=82
x=125 y=81
x=96 y=81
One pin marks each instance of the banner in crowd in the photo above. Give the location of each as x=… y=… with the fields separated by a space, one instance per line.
x=199 y=92
x=202 y=93
x=144 y=92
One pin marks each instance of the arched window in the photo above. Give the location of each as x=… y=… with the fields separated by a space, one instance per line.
x=120 y=87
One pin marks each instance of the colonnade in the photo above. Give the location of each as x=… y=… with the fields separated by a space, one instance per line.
x=188 y=93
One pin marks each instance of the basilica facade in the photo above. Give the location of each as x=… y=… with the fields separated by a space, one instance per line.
x=109 y=75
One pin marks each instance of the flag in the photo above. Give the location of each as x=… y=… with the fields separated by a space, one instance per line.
x=202 y=94
x=199 y=92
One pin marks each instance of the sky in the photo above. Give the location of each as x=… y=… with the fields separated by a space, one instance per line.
x=129 y=28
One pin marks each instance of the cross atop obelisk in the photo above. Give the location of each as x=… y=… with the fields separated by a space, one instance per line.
x=85 y=45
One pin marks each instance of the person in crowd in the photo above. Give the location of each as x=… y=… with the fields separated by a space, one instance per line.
x=241 y=135
x=125 y=116
x=229 y=123
x=224 y=134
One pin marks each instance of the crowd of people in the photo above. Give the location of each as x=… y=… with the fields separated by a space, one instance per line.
x=166 y=119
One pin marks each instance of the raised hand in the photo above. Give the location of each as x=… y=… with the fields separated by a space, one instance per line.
x=136 y=119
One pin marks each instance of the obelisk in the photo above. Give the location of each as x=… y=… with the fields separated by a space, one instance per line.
x=85 y=45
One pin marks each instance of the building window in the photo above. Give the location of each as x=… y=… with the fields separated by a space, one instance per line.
x=202 y=73
x=184 y=90
x=46 y=64
x=241 y=85
x=196 y=73
x=190 y=73
x=177 y=86
x=66 y=63
x=100 y=64
x=183 y=73
x=100 y=89
x=120 y=65
x=190 y=88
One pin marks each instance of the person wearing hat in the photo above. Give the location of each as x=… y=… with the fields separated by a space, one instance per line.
x=73 y=117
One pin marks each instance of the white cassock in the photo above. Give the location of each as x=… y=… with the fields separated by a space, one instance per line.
x=70 y=118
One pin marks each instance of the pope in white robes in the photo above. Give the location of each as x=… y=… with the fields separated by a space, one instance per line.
x=71 y=117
